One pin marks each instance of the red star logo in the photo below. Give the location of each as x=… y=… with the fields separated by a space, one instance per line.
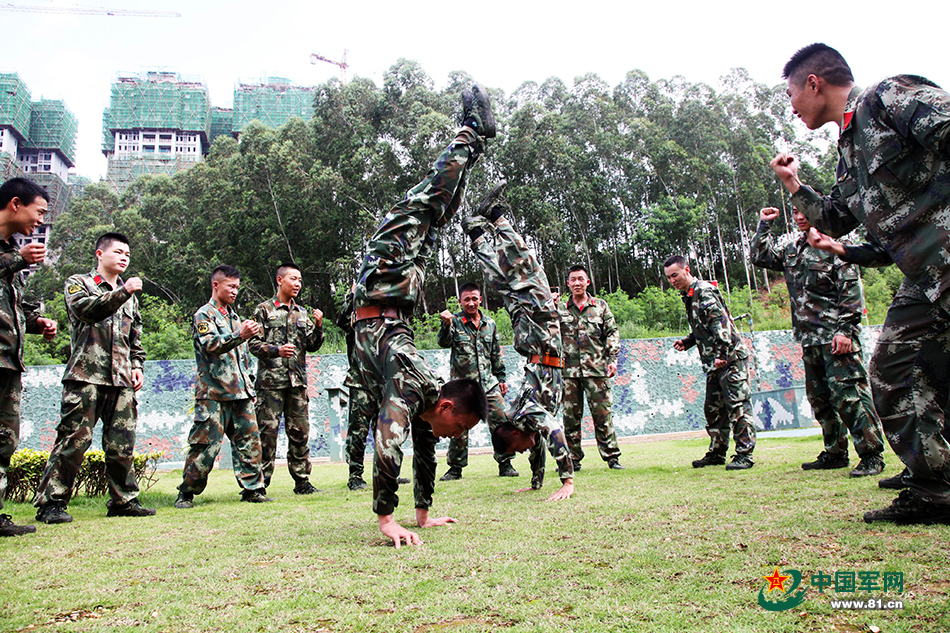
x=776 y=581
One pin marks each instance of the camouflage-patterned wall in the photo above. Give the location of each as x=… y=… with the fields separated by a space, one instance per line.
x=657 y=390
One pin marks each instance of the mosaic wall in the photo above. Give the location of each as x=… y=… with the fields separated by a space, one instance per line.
x=656 y=390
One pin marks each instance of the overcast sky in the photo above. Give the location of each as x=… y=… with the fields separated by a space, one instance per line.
x=501 y=44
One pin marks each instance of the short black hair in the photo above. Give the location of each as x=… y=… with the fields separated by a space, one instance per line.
x=469 y=286
x=503 y=436
x=820 y=60
x=467 y=395
x=24 y=189
x=578 y=267
x=675 y=260
x=106 y=239
x=225 y=271
x=284 y=267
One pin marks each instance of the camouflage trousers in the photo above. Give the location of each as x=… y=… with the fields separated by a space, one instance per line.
x=387 y=357
x=727 y=407
x=910 y=380
x=293 y=404
x=457 y=456
x=10 y=390
x=600 y=400
x=361 y=414
x=83 y=405
x=537 y=409
x=840 y=397
x=213 y=420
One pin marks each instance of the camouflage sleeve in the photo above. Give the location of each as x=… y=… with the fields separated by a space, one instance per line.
x=256 y=344
x=713 y=314
x=11 y=262
x=920 y=111
x=136 y=351
x=611 y=335
x=828 y=214
x=314 y=335
x=764 y=253
x=445 y=337
x=497 y=360
x=868 y=255
x=32 y=313
x=91 y=308
x=850 y=299
x=689 y=341
x=212 y=340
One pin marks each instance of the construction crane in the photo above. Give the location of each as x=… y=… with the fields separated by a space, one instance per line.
x=79 y=10
x=314 y=58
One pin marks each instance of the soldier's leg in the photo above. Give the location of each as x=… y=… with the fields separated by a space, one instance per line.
x=600 y=400
x=497 y=417
x=297 y=425
x=910 y=376
x=818 y=390
x=537 y=456
x=119 y=418
x=537 y=409
x=717 y=418
x=269 y=409
x=79 y=411
x=240 y=425
x=573 y=412
x=361 y=414
x=737 y=390
x=10 y=389
x=457 y=455
x=204 y=444
x=851 y=392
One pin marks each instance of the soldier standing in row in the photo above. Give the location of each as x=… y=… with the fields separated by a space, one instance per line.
x=476 y=354
x=591 y=349
x=725 y=362
x=23 y=207
x=287 y=333
x=827 y=304
x=103 y=373
x=224 y=394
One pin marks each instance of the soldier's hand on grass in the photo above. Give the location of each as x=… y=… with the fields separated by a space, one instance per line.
x=33 y=253
x=248 y=329
x=138 y=379
x=611 y=370
x=564 y=492
x=286 y=350
x=318 y=317
x=437 y=522
x=679 y=345
x=840 y=344
x=389 y=527
x=47 y=328
x=446 y=316
x=768 y=214
x=133 y=285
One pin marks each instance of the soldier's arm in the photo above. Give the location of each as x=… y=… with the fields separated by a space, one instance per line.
x=445 y=337
x=611 y=336
x=257 y=344
x=689 y=341
x=713 y=314
x=314 y=335
x=497 y=359
x=868 y=255
x=829 y=214
x=32 y=313
x=923 y=113
x=136 y=351
x=11 y=263
x=850 y=299
x=211 y=340
x=763 y=251
x=92 y=308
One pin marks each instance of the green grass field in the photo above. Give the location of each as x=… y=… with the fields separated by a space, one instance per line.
x=657 y=547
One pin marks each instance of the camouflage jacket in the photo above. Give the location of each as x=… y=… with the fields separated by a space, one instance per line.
x=893 y=176
x=16 y=317
x=105 y=331
x=711 y=325
x=475 y=354
x=590 y=337
x=825 y=291
x=223 y=364
x=281 y=324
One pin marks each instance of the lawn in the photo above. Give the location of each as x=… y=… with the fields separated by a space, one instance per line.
x=657 y=547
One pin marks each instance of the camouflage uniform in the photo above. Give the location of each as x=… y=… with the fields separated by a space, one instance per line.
x=893 y=176
x=513 y=270
x=282 y=383
x=827 y=300
x=397 y=377
x=16 y=320
x=591 y=342
x=476 y=354
x=223 y=402
x=727 y=388
x=105 y=334
x=362 y=409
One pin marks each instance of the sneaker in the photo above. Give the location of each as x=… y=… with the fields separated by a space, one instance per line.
x=451 y=474
x=9 y=528
x=356 y=483
x=614 y=464
x=405 y=480
x=131 y=509
x=908 y=507
x=476 y=111
x=507 y=470
x=740 y=462
x=896 y=482
x=185 y=500
x=577 y=465
x=494 y=198
x=827 y=461
x=304 y=488
x=255 y=496
x=710 y=459
x=870 y=465
x=53 y=513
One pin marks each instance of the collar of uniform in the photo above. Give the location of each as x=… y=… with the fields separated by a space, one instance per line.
x=466 y=320
x=290 y=306
x=589 y=301
x=98 y=280
x=849 y=108
x=223 y=309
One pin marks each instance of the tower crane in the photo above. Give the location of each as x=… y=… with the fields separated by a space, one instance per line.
x=314 y=58
x=80 y=10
